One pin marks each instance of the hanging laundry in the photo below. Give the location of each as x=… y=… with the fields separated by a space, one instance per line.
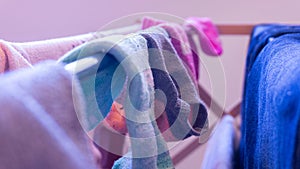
x=95 y=114
x=207 y=34
x=179 y=119
x=180 y=123
x=20 y=55
x=173 y=105
x=126 y=59
x=182 y=39
x=179 y=40
x=148 y=146
x=183 y=100
x=39 y=126
x=270 y=109
x=176 y=117
x=208 y=37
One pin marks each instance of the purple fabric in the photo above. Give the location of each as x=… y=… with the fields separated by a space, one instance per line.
x=39 y=125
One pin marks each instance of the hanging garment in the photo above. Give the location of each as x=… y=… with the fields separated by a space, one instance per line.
x=220 y=149
x=20 y=55
x=180 y=42
x=166 y=90
x=174 y=124
x=39 y=126
x=174 y=112
x=124 y=60
x=182 y=99
x=207 y=34
x=270 y=109
x=163 y=158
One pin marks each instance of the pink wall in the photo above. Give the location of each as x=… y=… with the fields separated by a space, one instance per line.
x=37 y=20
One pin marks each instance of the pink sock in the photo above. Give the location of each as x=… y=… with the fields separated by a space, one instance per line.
x=207 y=33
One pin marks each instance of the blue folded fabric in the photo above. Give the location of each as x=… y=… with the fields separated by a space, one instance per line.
x=271 y=103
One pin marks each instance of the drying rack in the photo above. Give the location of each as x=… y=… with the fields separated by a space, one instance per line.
x=224 y=29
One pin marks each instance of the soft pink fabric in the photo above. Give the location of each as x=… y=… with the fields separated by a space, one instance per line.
x=10 y=59
x=20 y=55
x=148 y=22
x=207 y=33
x=40 y=120
x=179 y=40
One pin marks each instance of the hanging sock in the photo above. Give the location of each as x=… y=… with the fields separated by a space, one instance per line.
x=207 y=34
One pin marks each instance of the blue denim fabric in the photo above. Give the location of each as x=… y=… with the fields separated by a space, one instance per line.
x=262 y=35
x=271 y=103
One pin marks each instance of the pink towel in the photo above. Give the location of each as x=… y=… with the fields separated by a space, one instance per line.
x=180 y=42
x=20 y=55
